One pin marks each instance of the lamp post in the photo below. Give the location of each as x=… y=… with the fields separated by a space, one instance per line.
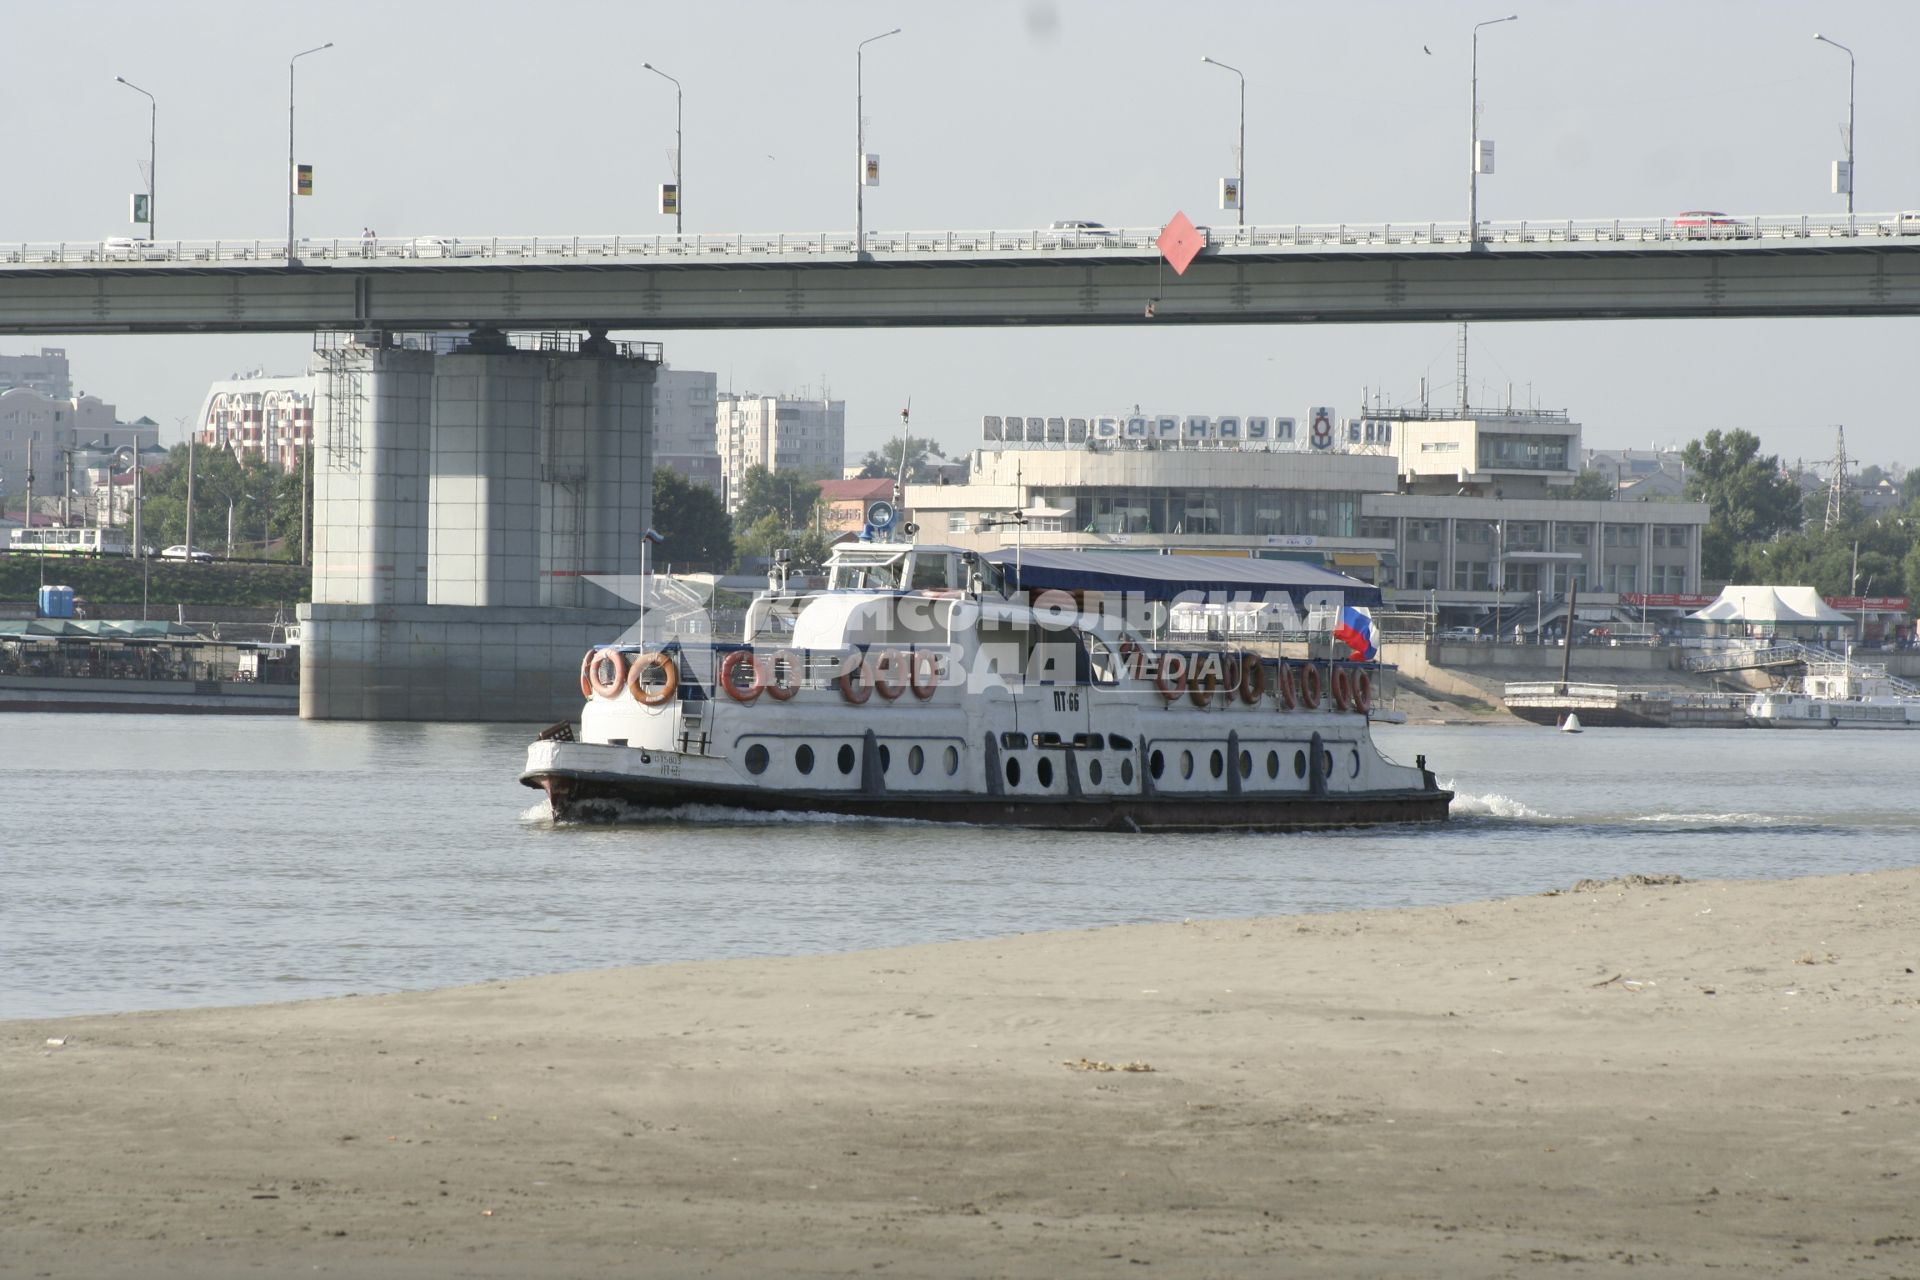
x=1473 y=153
x=860 y=142
x=679 y=188
x=1842 y=48
x=153 y=121
x=1241 y=151
x=293 y=174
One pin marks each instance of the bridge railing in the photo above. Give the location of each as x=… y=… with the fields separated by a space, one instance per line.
x=1707 y=231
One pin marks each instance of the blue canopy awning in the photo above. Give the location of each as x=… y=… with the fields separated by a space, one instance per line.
x=1164 y=578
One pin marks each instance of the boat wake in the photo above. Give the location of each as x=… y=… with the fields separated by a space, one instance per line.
x=1494 y=806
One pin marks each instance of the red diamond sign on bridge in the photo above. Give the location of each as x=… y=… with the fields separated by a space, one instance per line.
x=1180 y=242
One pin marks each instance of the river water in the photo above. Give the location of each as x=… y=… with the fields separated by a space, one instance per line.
x=170 y=861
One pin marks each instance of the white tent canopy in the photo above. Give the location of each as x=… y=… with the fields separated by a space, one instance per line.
x=1771 y=606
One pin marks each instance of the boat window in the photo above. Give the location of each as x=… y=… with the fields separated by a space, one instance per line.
x=1013 y=741
x=1102 y=666
x=1044 y=772
x=1090 y=741
x=1356 y=764
x=1094 y=772
x=993 y=581
x=867 y=570
x=1126 y=771
x=1186 y=764
x=1013 y=772
x=803 y=758
x=1273 y=764
x=757 y=758
x=1119 y=742
x=953 y=761
x=1218 y=764
x=886 y=759
x=1156 y=763
x=845 y=759
x=916 y=759
x=1299 y=764
x=1246 y=764
x=1046 y=740
x=930 y=571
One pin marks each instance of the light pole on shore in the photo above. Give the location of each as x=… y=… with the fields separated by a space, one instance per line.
x=293 y=173
x=153 y=123
x=679 y=187
x=860 y=142
x=1842 y=48
x=1473 y=153
x=1240 y=192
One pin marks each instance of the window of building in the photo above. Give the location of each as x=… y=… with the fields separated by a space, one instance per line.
x=1523 y=452
x=1623 y=578
x=1421 y=575
x=1568 y=577
x=1472 y=575
x=1473 y=531
x=1668 y=579
x=959 y=521
x=1376 y=526
x=1621 y=535
x=1526 y=535
x=1669 y=535
x=1423 y=531
x=1571 y=537
x=1523 y=575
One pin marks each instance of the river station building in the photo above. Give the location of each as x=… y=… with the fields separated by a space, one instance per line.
x=1451 y=514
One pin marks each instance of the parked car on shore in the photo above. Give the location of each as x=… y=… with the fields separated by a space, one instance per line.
x=180 y=552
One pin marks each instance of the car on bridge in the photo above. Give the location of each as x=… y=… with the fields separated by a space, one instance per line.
x=128 y=249
x=1080 y=227
x=442 y=247
x=1708 y=224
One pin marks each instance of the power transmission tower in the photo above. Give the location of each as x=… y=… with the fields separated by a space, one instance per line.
x=1837 y=484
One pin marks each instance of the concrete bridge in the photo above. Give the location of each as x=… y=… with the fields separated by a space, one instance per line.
x=1693 y=266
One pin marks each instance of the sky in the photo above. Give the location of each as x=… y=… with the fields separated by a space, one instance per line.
x=493 y=119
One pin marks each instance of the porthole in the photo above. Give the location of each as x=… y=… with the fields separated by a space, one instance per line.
x=1094 y=772
x=953 y=761
x=757 y=758
x=1013 y=772
x=916 y=760
x=1126 y=772
x=1326 y=766
x=1356 y=764
x=1156 y=763
x=1186 y=764
x=1246 y=764
x=886 y=759
x=1217 y=763
x=803 y=758
x=1273 y=764
x=846 y=758
x=1299 y=764
x=1043 y=772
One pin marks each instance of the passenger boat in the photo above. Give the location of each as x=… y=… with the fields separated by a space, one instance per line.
x=1839 y=695
x=928 y=682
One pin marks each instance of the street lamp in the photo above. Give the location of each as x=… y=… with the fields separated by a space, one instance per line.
x=860 y=143
x=1842 y=48
x=1473 y=155
x=293 y=174
x=1241 y=191
x=153 y=120
x=679 y=188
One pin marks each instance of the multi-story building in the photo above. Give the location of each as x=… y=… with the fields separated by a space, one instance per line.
x=779 y=433
x=46 y=373
x=269 y=417
x=684 y=434
x=1459 y=514
x=41 y=435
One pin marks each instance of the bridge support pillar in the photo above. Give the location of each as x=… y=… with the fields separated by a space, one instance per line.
x=462 y=502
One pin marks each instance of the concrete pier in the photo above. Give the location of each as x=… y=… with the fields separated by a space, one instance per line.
x=462 y=502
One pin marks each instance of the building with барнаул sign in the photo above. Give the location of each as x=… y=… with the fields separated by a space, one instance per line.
x=1449 y=512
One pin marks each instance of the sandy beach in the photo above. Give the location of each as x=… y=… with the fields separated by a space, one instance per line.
x=1716 y=1076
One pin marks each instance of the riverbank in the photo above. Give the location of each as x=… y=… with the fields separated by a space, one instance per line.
x=1679 y=1076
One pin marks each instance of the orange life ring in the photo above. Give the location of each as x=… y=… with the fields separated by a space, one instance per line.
x=1283 y=676
x=1170 y=676
x=1253 y=679
x=606 y=671
x=1310 y=687
x=1206 y=679
x=1342 y=695
x=1231 y=671
x=669 y=679
x=856 y=691
x=1363 y=693
x=924 y=664
x=586 y=680
x=1131 y=658
x=782 y=675
x=729 y=671
x=892 y=673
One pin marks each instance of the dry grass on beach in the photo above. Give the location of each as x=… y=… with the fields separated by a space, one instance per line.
x=1720 y=1076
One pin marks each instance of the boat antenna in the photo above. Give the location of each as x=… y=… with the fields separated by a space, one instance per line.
x=906 y=442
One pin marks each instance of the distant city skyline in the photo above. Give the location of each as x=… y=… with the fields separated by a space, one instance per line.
x=1012 y=115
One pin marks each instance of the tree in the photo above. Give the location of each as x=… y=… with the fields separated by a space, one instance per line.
x=265 y=501
x=1748 y=499
x=787 y=494
x=694 y=528
x=759 y=540
x=1589 y=486
x=885 y=464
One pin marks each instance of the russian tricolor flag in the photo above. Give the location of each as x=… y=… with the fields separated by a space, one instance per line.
x=1355 y=630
